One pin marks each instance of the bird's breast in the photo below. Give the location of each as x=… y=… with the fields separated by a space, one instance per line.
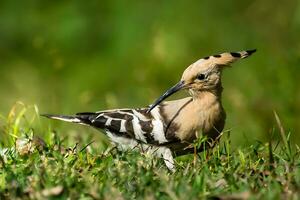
x=208 y=119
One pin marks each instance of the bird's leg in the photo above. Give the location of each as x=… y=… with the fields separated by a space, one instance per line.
x=195 y=149
x=195 y=155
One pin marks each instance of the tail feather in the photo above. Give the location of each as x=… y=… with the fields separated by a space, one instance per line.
x=73 y=119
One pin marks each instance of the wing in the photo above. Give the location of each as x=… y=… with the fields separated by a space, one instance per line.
x=156 y=127
x=137 y=124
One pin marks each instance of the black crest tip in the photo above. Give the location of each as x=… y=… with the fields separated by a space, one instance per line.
x=235 y=54
x=249 y=52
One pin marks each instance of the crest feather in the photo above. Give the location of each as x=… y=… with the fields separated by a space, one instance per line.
x=227 y=58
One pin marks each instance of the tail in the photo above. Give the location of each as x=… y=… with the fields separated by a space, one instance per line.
x=80 y=118
x=225 y=59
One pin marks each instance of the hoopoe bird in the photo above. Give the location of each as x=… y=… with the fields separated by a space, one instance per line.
x=168 y=128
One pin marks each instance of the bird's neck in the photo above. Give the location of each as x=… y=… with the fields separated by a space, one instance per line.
x=206 y=99
x=212 y=93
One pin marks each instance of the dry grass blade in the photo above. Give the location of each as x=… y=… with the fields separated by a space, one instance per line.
x=237 y=196
x=281 y=129
x=54 y=191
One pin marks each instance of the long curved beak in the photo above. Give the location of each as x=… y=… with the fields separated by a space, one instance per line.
x=180 y=85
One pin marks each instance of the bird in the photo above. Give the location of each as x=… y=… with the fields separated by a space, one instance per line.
x=168 y=128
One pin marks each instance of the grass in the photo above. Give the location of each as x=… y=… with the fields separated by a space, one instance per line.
x=38 y=163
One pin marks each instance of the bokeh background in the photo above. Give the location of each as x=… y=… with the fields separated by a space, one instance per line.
x=70 y=56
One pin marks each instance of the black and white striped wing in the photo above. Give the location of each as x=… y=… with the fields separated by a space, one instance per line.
x=137 y=124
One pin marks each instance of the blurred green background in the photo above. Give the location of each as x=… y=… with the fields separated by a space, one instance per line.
x=71 y=56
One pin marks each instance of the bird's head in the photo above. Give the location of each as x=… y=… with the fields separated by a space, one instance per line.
x=204 y=74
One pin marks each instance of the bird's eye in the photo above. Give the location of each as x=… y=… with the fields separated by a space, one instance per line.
x=201 y=77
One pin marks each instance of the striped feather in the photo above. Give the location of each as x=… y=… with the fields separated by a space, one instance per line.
x=137 y=124
x=226 y=58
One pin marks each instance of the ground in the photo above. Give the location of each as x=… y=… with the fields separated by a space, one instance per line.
x=48 y=167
